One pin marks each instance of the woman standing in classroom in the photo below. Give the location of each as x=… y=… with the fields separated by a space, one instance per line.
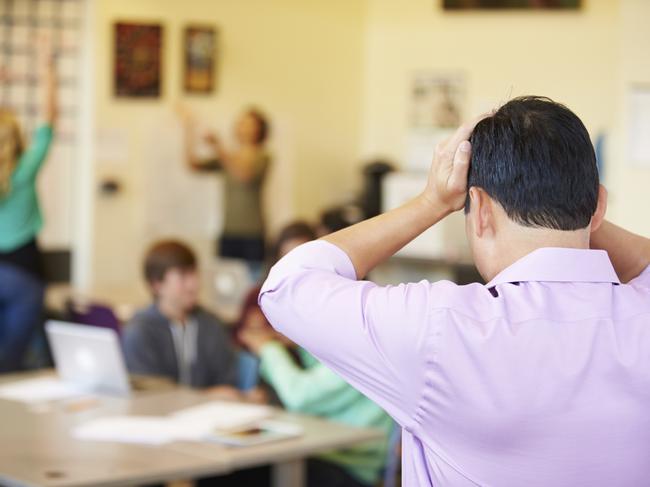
x=22 y=282
x=244 y=167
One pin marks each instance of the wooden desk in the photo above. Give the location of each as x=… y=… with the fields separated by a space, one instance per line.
x=36 y=448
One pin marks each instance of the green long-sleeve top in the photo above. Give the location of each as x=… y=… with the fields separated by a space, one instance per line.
x=20 y=212
x=318 y=391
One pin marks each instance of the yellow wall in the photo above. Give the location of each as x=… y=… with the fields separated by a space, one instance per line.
x=569 y=56
x=628 y=184
x=334 y=78
x=585 y=59
x=299 y=61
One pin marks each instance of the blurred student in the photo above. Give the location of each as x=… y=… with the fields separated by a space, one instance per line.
x=251 y=316
x=175 y=337
x=244 y=167
x=21 y=274
x=309 y=387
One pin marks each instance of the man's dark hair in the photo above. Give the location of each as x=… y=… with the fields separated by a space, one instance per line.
x=164 y=256
x=535 y=158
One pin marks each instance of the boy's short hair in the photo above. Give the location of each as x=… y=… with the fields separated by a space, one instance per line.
x=298 y=229
x=535 y=158
x=164 y=256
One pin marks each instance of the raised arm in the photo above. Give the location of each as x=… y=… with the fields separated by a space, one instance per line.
x=51 y=110
x=48 y=76
x=373 y=241
x=368 y=334
x=242 y=164
x=630 y=253
x=36 y=152
x=192 y=160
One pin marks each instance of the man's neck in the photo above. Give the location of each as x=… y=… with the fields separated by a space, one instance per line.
x=522 y=241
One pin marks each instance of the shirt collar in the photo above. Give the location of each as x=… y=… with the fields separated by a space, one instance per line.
x=559 y=265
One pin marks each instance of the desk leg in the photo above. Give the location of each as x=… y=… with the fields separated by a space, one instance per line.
x=289 y=474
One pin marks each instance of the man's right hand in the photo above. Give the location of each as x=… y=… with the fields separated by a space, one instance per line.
x=447 y=183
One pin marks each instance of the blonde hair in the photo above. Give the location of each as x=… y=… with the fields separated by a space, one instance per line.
x=11 y=147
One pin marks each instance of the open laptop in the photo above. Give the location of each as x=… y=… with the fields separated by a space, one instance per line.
x=88 y=357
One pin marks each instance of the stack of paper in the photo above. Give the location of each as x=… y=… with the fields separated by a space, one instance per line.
x=39 y=390
x=219 y=415
x=194 y=423
x=128 y=429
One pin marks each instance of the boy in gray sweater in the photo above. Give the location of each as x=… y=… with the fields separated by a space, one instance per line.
x=174 y=337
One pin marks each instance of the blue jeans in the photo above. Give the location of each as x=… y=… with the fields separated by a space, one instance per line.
x=249 y=374
x=21 y=312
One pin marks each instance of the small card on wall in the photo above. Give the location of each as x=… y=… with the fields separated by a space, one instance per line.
x=199 y=59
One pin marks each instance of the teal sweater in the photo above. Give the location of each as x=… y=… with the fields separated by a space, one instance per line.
x=20 y=213
x=319 y=391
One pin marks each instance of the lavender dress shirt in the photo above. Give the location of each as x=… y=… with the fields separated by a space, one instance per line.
x=539 y=378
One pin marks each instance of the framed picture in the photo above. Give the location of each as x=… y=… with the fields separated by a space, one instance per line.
x=199 y=59
x=138 y=60
x=511 y=4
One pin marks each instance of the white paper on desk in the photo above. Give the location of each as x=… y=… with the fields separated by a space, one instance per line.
x=150 y=430
x=190 y=424
x=39 y=390
x=196 y=421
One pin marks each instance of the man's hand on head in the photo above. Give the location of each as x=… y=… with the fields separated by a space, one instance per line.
x=373 y=241
x=447 y=183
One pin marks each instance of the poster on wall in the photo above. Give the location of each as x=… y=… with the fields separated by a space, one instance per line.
x=437 y=100
x=199 y=63
x=436 y=108
x=138 y=59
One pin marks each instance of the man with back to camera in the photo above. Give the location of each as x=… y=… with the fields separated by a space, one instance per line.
x=540 y=377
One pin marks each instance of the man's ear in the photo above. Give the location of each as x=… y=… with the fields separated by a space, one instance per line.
x=601 y=209
x=481 y=212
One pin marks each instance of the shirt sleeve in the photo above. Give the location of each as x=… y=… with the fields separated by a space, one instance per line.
x=316 y=390
x=374 y=337
x=32 y=159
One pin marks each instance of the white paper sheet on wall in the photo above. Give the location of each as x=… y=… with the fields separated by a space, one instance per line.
x=178 y=202
x=638 y=130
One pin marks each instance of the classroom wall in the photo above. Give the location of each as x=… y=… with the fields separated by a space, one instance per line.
x=334 y=77
x=628 y=183
x=299 y=61
x=585 y=59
